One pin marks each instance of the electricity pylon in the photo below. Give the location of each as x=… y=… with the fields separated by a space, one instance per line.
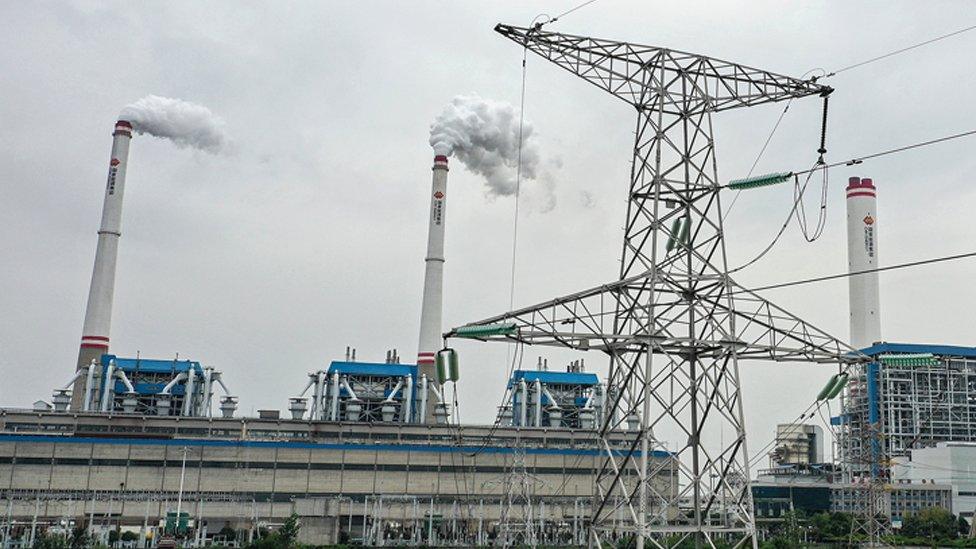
x=674 y=324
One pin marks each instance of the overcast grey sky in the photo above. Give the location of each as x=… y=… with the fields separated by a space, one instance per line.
x=310 y=236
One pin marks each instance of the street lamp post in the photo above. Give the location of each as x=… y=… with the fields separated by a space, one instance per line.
x=179 y=495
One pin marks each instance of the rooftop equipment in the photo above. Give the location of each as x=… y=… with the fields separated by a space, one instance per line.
x=367 y=392
x=542 y=398
x=147 y=387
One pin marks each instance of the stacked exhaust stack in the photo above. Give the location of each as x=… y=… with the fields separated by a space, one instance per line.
x=862 y=254
x=430 y=313
x=98 y=315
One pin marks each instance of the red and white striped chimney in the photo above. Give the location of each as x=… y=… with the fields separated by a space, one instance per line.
x=862 y=255
x=98 y=314
x=430 y=312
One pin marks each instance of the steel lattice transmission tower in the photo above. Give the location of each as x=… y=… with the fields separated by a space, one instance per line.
x=674 y=324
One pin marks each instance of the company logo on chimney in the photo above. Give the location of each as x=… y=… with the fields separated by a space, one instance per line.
x=868 y=220
x=115 y=162
x=438 y=195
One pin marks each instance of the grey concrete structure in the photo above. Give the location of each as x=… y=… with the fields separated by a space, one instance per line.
x=364 y=480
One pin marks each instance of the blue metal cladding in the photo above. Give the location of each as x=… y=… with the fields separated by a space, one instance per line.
x=152 y=366
x=554 y=378
x=873 y=371
x=373 y=369
x=135 y=366
x=917 y=348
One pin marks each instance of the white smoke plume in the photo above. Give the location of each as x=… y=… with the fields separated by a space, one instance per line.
x=185 y=124
x=484 y=135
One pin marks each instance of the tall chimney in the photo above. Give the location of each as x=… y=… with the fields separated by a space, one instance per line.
x=862 y=254
x=98 y=314
x=430 y=312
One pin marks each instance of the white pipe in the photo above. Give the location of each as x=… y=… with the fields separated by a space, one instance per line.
x=538 y=403
x=524 y=404
x=423 y=398
x=317 y=410
x=108 y=381
x=90 y=381
x=352 y=394
x=188 y=392
x=73 y=379
x=393 y=393
x=125 y=380
x=408 y=400
x=208 y=374
x=172 y=383
x=220 y=381
x=553 y=403
x=335 y=396
x=311 y=382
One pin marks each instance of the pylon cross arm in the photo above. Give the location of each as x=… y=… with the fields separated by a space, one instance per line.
x=661 y=79
x=615 y=318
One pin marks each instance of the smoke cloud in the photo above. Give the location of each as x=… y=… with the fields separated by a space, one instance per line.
x=185 y=124
x=484 y=135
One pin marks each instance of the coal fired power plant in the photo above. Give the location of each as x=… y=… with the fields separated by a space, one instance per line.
x=620 y=420
x=369 y=450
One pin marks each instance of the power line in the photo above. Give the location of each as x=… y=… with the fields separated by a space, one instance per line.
x=866 y=271
x=859 y=160
x=896 y=52
x=760 y=155
x=569 y=11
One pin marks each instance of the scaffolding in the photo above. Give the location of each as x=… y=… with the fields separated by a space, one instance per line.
x=918 y=398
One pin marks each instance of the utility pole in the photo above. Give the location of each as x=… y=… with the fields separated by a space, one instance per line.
x=179 y=495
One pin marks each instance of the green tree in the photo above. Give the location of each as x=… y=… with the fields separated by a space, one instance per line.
x=51 y=541
x=830 y=526
x=934 y=523
x=79 y=538
x=228 y=533
x=284 y=538
x=288 y=533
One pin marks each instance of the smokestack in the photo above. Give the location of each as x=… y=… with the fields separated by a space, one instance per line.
x=430 y=311
x=862 y=254
x=98 y=315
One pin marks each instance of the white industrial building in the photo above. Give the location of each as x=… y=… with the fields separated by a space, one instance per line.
x=951 y=463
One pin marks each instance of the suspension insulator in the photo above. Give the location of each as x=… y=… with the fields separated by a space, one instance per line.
x=760 y=181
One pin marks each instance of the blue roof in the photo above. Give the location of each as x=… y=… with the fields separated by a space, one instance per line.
x=918 y=348
x=152 y=365
x=373 y=369
x=555 y=378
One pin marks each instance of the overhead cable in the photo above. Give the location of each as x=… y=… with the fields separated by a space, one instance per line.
x=855 y=273
x=895 y=52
